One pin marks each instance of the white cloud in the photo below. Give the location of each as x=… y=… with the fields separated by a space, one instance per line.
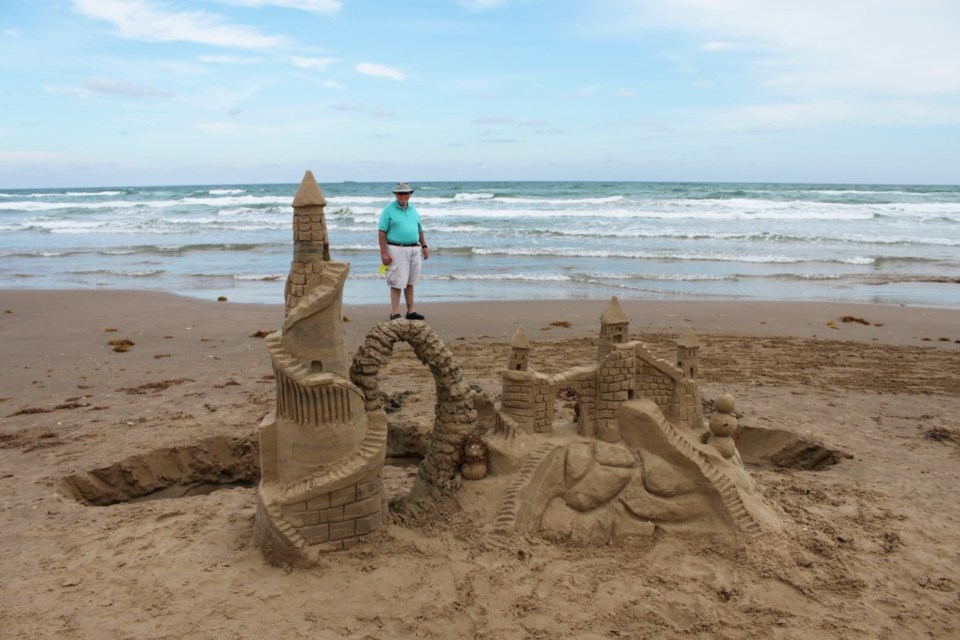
x=317 y=64
x=220 y=98
x=333 y=84
x=115 y=87
x=218 y=127
x=482 y=5
x=227 y=59
x=651 y=124
x=314 y=6
x=582 y=92
x=143 y=20
x=791 y=116
x=66 y=90
x=107 y=86
x=492 y=120
x=347 y=106
x=380 y=71
x=720 y=46
x=7 y=155
x=884 y=47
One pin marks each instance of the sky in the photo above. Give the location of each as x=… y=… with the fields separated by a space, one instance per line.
x=170 y=92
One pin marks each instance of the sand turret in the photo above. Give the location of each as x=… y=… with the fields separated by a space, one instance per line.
x=519 y=351
x=321 y=456
x=688 y=354
x=614 y=325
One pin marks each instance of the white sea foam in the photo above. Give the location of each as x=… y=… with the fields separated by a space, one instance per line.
x=460 y=197
x=763 y=240
x=670 y=277
x=533 y=277
x=554 y=202
x=68 y=194
x=667 y=255
x=121 y=273
x=272 y=277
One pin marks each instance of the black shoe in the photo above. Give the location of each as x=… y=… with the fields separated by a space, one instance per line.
x=413 y=315
x=394 y=316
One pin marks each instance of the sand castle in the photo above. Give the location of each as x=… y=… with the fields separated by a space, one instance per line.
x=636 y=457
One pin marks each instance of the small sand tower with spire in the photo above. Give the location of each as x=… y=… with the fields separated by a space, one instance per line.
x=313 y=295
x=688 y=354
x=519 y=351
x=614 y=326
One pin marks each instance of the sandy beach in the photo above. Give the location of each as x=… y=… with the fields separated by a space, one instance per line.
x=146 y=386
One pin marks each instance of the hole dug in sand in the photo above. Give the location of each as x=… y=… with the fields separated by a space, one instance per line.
x=785 y=449
x=211 y=464
x=214 y=463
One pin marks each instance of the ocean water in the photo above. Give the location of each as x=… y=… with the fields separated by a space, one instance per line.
x=896 y=244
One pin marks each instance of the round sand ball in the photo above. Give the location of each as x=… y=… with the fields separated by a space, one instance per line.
x=724 y=403
x=725 y=446
x=723 y=424
x=474 y=471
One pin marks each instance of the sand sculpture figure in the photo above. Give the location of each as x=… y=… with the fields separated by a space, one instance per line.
x=321 y=453
x=637 y=457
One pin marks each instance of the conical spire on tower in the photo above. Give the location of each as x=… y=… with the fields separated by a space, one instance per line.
x=519 y=351
x=309 y=223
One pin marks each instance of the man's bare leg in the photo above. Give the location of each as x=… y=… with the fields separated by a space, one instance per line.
x=408 y=297
x=395 y=301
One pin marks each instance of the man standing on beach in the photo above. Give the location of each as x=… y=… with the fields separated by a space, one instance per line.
x=401 y=246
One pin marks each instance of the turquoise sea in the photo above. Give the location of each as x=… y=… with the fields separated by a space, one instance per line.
x=897 y=244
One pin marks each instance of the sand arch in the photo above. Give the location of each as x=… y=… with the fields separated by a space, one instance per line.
x=455 y=416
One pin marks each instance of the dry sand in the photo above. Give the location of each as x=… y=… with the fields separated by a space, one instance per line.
x=869 y=549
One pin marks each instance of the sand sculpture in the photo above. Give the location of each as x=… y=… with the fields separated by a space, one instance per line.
x=321 y=453
x=323 y=447
x=637 y=455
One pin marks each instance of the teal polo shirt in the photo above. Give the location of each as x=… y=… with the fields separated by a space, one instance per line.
x=401 y=227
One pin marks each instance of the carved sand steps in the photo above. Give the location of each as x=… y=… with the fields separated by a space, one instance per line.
x=728 y=492
x=516 y=496
x=372 y=450
x=325 y=293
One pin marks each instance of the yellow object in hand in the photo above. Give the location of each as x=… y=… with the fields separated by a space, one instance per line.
x=382 y=269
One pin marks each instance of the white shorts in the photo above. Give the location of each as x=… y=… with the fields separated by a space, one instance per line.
x=404 y=269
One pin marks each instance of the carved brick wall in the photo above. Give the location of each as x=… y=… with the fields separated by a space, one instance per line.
x=338 y=519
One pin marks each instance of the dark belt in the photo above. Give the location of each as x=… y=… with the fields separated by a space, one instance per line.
x=397 y=244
